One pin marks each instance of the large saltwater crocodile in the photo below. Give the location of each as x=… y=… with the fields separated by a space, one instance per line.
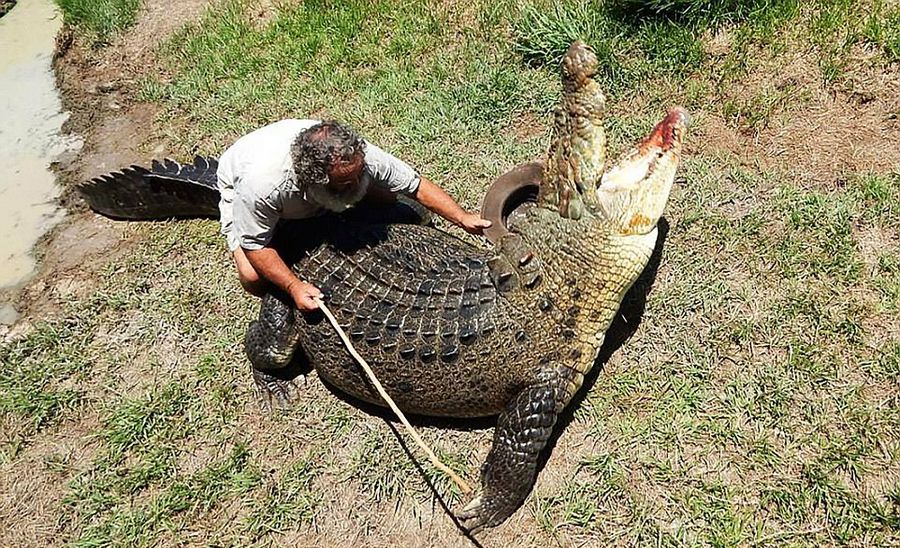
x=449 y=329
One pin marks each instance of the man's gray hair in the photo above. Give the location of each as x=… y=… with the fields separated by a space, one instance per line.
x=317 y=149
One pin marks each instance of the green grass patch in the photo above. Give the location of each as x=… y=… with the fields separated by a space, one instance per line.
x=818 y=238
x=887 y=280
x=637 y=41
x=203 y=491
x=99 y=19
x=544 y=33
x=879 y=197
x=583 y=501
x=289 y=502
x=382 y=468
x=883 y=29
x=38 y=385
x=840 y=24
x=139 y=440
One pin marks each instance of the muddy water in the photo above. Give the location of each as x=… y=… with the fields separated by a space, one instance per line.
x=30 y=120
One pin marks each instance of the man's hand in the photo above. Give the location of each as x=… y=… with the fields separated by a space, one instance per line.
x=269 y=264
x=473 y=223
x=304 y=295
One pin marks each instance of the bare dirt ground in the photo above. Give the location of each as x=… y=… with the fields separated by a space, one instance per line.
x=815 y=132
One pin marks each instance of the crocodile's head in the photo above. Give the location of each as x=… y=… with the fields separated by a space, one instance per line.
x=632 y=194
x=575 y=181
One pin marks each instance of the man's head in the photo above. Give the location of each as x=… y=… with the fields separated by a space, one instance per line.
x=329 y=161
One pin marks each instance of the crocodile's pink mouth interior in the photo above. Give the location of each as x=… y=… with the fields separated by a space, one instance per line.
x=666 y=133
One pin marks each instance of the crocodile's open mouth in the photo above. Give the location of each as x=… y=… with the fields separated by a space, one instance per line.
x=640 y=164
x=650 y=164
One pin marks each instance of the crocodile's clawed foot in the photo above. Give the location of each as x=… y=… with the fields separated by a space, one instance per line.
x=485 y=511
x=274 y=393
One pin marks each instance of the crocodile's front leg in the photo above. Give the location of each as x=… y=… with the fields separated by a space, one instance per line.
x=522 y=432
x=270 y=344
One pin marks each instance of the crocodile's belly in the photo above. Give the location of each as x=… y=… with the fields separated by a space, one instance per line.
x=420 y=307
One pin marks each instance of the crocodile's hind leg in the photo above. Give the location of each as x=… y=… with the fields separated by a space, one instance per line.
x=522 y=432
x=271 y=344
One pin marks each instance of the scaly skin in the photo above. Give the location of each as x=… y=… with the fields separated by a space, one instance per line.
x=453 y=331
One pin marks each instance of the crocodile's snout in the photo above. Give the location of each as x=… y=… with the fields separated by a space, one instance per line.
x=579 y=64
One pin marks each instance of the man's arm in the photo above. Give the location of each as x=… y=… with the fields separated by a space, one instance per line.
x=269 y=264
x=255 y=219
x=436 y=199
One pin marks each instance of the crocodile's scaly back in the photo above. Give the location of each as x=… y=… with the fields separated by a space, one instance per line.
x=413 y=300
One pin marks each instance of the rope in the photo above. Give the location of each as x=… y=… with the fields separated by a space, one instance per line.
x=461 y=483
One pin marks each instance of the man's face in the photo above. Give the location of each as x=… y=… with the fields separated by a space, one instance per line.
x=344 y=176
x=345 y=186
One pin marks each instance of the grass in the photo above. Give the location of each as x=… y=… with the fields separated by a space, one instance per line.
x=755 y=405
x=840 y=25
x=637 y=40
x=34 y=388
x=99 y=20
x=314 y=58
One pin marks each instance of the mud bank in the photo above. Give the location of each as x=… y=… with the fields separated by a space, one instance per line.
x=97 y=87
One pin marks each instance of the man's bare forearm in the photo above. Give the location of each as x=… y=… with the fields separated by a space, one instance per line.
x=436 y=199
x=269 y=264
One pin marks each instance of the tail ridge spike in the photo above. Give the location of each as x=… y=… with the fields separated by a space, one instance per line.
x=167 y=189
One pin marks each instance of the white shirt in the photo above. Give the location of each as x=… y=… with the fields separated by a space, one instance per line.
x=258 y=184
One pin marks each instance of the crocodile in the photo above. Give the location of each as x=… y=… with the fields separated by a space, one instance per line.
x=453 y=330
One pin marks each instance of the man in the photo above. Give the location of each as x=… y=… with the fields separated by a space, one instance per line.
x=297 y=169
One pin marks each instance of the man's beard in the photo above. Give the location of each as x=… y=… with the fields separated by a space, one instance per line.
x=337 y=202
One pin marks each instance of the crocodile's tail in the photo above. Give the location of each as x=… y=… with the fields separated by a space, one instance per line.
x=168 y=189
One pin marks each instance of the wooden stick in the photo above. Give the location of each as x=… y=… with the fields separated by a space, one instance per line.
x=461 y=483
